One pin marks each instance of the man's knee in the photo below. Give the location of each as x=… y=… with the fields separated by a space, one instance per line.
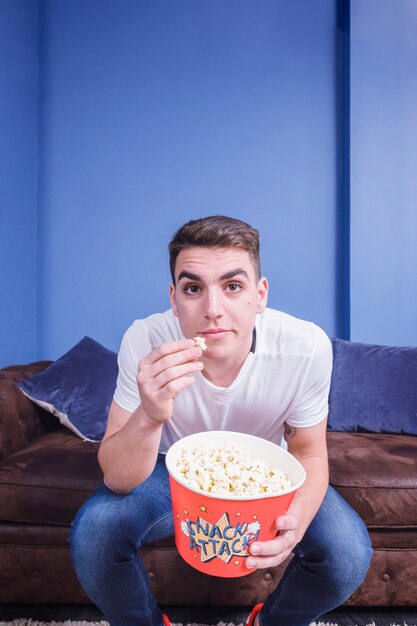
x=338 y=544
x=99 y=533
x=109 y=528
x=353 y=549
x=348 y=558
x=352 y=564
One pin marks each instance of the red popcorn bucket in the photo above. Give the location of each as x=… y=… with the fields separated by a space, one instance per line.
x=213 y=533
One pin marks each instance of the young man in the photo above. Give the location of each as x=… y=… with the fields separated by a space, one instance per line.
x=264 y=373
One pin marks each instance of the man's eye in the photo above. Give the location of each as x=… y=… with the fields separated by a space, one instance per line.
x=234 y=287
x=191 y=289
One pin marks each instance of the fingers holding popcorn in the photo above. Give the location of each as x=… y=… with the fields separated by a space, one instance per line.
x=164 y=373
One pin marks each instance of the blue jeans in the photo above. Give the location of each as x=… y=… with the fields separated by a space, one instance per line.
x=329 y=563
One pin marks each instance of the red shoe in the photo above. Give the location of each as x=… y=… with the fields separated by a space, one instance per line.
x=165 y=620
x=255 y=611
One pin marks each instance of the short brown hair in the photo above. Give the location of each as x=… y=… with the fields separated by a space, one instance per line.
x=216 y=230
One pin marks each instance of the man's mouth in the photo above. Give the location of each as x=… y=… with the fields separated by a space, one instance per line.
x=214 y=333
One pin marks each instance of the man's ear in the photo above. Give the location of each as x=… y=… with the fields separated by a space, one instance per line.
x=172 y=299
x=262 y=295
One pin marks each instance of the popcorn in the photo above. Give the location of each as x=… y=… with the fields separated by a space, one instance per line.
x=200 y=342
x=229 y=471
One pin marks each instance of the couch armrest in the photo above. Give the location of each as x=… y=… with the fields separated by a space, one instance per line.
x=21 y=420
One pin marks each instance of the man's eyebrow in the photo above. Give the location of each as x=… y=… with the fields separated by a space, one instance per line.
x=231 y=274
x=188 y=275
x=234 y=273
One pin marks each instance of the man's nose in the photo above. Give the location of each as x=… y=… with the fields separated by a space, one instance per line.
x=213 y=305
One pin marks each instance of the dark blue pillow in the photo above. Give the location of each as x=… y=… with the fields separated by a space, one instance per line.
x=78 y=388
x=373 y=388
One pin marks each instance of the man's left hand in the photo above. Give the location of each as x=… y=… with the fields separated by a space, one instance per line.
x=270 y=553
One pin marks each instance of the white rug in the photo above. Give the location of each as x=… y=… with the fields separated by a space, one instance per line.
x=29 y=622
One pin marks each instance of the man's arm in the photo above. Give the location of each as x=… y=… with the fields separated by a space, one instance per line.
x=308 y=445
x=128 y=452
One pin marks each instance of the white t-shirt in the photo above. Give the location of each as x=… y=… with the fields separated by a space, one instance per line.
x=285 y=379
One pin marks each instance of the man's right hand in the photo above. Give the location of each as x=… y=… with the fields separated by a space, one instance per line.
x=163 y=374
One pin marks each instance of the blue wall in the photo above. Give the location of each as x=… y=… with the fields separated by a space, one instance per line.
x=157 y=112
x=384 y=171
x=18 y=164
x=154 y=112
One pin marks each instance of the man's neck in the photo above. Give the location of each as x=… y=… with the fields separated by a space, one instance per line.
x=221 y=378
x=224 y=373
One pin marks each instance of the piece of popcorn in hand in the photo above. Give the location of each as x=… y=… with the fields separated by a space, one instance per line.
x=200 y=342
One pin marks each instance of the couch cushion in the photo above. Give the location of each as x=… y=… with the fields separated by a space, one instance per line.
x=78 y=388
x=48 y=481
x=377 y=475
x=373 y=388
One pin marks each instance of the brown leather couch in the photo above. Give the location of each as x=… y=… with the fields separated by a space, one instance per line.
x=47 y=472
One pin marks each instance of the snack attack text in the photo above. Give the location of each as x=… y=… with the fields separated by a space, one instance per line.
x=222 y=539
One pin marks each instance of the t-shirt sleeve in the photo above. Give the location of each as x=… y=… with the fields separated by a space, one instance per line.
x=312 y=405
x=134 y=348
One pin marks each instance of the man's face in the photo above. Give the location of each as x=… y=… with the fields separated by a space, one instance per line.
x=217 y=296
